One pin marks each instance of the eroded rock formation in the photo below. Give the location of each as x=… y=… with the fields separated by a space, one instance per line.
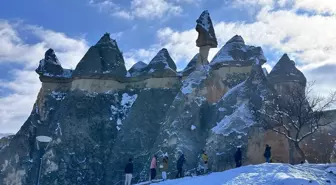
x=100 y=115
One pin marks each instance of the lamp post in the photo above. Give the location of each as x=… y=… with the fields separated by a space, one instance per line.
x=42 y=145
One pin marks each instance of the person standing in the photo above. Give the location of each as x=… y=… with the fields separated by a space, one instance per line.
x=128 y=172
x=164 y=167
x=205 y=159
x=179 y=166
x=238 y=157
x=153 y=167
x=268 y=153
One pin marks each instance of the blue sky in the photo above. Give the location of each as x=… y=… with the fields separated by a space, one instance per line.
x=305 y=29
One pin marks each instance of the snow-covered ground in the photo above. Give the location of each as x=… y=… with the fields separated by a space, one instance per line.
x=265 y=174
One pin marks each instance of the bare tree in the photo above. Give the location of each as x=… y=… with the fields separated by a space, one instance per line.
x=297 y=115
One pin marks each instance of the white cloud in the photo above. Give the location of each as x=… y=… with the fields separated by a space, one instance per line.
x=320 y=6
x=15 y=107
x=146 y=9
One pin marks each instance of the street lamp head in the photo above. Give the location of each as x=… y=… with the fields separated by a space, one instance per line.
x=43 y=139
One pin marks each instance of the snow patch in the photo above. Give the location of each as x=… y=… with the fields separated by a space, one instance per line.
x=240 y=119
x=193 y=127
x=263 y=174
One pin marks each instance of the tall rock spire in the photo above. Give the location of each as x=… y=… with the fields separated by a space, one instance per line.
x=285 y=71
x=206 y=37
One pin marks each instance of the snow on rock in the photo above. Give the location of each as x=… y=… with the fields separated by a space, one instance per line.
x=127 y=100
x=263 y=174
x=137 y=68
x=118 y=128
x=51 y=67
x=119 y=112
x=237 y=53
x=206 y=32
x=57 y=95
x=240 y=119
x=193 y=81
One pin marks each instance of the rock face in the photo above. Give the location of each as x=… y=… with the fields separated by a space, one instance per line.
x=191 y=66
x=103 y=59
x=51 y=67
x=286 y=72
x=237 y=118
x=137 y=68
x=236 y=53
x=206 y=32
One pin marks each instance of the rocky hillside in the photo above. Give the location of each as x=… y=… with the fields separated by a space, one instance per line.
x=99 y=115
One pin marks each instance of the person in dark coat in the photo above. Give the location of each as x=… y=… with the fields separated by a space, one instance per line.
x=129 y=172
x=179 y=166
x=268 y=153
x=238 y=157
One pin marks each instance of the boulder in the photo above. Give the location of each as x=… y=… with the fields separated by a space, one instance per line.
x=206 y=32
x=236 y=53
x=50 y=66
x=285 y=71
x=102 y=60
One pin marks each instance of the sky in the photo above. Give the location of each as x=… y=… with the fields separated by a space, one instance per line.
x=304 y=29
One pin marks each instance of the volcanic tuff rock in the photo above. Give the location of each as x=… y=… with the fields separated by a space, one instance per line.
x=161 y=65
x=103 y=59
x=285 y=71
x=137 y=68
x=236 y=53
x=237 y=117
x=191 y=66
x=51 y=67
x=206 y=32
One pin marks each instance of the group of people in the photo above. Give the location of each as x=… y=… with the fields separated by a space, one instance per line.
x=164 y=167
x=238 y=155
x=180 y=162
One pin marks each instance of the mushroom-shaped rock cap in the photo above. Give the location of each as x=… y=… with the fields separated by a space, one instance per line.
x=235 y=52
x=206 y=32
x=285 y=71
x=102 y=59
x=50 y=66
